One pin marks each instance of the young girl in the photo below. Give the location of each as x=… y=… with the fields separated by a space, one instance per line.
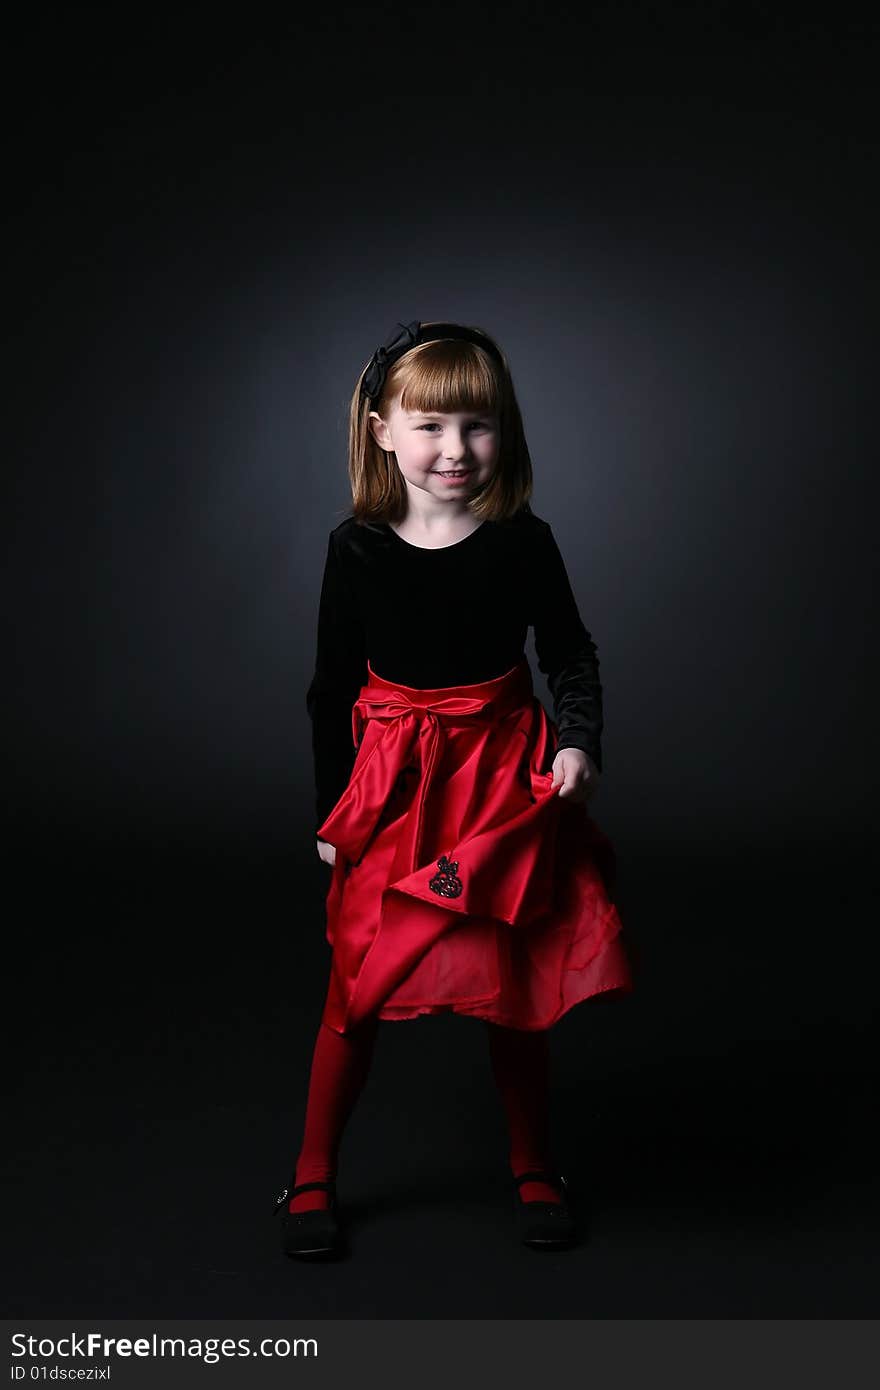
x=467 y=874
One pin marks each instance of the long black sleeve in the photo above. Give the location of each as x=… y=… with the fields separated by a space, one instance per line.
x=340 y=671
x=566 y=653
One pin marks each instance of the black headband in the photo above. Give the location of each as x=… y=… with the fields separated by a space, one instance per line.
x=412 y=334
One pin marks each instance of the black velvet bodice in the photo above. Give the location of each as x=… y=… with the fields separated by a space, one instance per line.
x=456 y=615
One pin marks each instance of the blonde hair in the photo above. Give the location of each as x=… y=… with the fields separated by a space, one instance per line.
x=446 y=375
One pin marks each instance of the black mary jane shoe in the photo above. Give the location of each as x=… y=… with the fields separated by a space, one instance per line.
x=315 y=1232
x=545 y=1225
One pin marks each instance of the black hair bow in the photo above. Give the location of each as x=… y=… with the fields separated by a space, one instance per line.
x=395 y=346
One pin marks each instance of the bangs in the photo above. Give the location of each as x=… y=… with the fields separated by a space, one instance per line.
x=447 y=376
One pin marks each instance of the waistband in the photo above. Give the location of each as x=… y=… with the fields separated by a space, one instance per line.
x=519 y=677
x=500 y=695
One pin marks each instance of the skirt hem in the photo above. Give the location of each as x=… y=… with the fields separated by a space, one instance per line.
x=611 y=961
x=503 y=1020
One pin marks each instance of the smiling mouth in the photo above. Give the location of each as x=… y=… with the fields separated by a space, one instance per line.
x=452 y=472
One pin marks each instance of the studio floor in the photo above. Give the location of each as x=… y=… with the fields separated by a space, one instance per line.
x=715 y=1127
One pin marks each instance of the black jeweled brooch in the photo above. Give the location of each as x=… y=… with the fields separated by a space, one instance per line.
x=445 y=882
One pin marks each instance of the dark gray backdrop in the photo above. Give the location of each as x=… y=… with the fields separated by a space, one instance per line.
x=670 y=224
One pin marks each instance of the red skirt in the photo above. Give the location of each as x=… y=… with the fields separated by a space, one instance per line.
x=462 y=882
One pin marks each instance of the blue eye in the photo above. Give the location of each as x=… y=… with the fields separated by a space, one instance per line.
x=477 y=424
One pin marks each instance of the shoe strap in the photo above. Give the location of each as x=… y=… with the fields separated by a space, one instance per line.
x=327 y=1184
x=288 y=1193
x=541 y=1175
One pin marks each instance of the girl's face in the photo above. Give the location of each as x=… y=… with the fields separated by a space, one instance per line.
x=447 y=456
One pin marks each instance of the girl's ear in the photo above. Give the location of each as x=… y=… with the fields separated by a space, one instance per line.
x=379 y=430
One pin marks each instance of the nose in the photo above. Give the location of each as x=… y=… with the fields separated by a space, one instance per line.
x=455 y=449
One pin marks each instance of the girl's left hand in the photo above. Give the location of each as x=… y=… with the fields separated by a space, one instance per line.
x=575 y=773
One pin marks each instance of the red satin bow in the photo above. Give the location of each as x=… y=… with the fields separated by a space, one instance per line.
x=408 y=718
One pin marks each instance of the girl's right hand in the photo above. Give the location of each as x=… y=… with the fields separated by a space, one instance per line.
x=327 y=852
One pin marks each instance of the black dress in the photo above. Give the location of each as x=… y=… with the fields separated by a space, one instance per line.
x=450 y=616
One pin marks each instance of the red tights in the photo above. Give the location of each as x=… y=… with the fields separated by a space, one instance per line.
x=341 y=1064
